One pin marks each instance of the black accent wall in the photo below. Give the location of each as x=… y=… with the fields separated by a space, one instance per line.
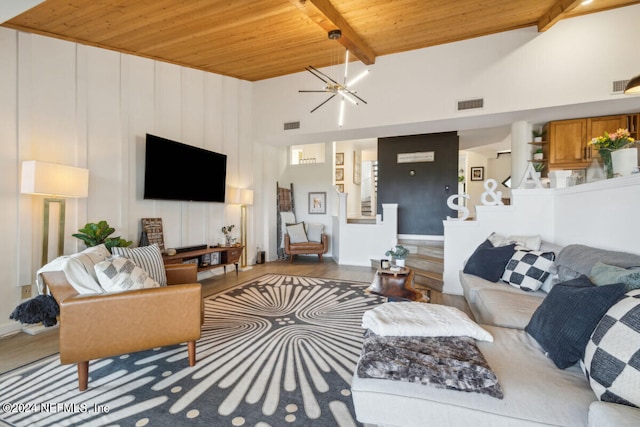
x=421 y=198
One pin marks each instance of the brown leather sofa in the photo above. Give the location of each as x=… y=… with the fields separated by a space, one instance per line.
x=93 y=326
x=306 y=248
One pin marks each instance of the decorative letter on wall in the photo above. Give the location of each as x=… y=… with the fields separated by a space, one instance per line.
x=496 y=197
x=460 y=208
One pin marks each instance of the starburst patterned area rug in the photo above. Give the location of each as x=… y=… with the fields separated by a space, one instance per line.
x=276 y=351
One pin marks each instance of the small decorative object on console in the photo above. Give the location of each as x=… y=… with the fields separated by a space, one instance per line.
x=226 y=230
x=152 y=233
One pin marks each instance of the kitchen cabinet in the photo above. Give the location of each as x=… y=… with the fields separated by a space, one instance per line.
x=567 y=144
x=569 y=139
x=632 y=121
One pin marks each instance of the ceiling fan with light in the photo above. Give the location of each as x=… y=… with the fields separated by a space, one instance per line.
x=333 y=87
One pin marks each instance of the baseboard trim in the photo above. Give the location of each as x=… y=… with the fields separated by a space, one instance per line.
x=39 y=328
x=10 y=328
x=420 y=237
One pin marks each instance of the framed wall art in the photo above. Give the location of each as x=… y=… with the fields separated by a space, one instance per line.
x=477 y=173
x=152 y=232
x=339 y=174
x=357 y=167
x=339 y=159
x=318 y=202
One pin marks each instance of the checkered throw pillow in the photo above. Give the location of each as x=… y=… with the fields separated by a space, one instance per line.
x=612 y=357
x=528 y=269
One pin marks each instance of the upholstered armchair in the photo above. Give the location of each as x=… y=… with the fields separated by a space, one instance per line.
x=306 y=248
x=94 y=326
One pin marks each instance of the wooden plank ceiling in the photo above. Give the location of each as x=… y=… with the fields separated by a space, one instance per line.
x=260 y=39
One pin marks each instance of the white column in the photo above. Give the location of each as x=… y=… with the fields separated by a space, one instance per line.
x=520 y=151
x=342 y=207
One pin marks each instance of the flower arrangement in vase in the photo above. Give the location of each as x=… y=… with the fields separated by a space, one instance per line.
x=226 y=230
x=609 y=142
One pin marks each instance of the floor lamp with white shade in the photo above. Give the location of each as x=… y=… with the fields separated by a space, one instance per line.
x=57 y=182
x=246 y=199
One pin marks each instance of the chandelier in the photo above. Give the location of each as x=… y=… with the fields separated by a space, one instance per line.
x=333 y=88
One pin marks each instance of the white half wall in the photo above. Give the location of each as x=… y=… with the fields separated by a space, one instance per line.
x=358 y=244
x=598 y=214
x=601 y=214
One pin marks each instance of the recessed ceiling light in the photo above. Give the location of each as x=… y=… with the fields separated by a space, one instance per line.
x=586 y=2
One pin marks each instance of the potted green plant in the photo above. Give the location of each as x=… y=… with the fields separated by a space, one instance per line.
x=538 y=154
x=93 y=234
x=537 y=134
x=399 y=254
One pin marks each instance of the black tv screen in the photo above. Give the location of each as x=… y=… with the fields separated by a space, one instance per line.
x=176 y=171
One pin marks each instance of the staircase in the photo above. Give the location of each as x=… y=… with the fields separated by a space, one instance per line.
x=365 y=207
x=426 y=259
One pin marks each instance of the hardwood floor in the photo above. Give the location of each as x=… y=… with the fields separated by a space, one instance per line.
x=19 y=349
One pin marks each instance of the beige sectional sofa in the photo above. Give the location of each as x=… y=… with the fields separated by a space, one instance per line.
x=536 y=392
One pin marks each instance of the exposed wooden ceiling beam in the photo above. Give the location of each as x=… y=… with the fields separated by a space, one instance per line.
x=557 y=12
x=324 y=14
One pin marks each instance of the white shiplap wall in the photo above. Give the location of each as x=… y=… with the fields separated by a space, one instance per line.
x=89 y=107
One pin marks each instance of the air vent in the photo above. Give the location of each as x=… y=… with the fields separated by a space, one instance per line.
x=291 y=125
x=470 y=104
x=619 y=85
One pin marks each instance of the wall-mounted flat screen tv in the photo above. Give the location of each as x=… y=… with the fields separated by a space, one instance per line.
x=176 y=171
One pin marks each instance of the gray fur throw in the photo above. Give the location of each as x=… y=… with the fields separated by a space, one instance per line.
x=445 y=362
x=42 y=308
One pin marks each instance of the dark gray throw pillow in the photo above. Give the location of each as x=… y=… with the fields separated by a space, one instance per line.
x=489 y=262
x=564 y=321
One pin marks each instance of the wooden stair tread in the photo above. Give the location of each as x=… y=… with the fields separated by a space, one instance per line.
x=429 y=274
x=425 y=263
x=361 y=220
x=426 y=258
